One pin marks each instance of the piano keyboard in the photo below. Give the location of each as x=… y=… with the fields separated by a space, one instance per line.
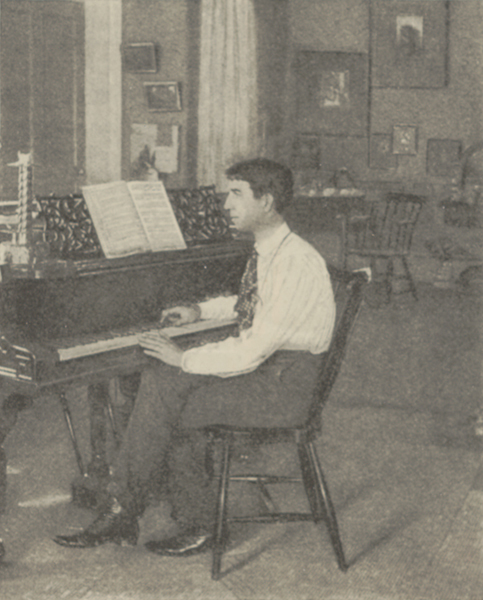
x=126 y=340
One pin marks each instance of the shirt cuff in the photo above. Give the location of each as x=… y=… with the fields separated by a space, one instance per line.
x=218 y=308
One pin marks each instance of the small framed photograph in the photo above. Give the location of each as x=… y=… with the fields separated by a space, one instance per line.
x=163 y=97
x=404 y=139
x=443 y=158
x=139 y=58
x=380 y=152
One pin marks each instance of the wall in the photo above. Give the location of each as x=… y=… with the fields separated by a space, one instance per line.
x=42 y=94
x=173 y=26
x=453 y=112
x=273 y=33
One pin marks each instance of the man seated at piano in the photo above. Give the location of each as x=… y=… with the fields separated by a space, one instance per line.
x=285 y=311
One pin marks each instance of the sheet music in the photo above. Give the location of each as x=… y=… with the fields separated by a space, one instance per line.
x=157 y=215
x=116 y=219
x=133 y=217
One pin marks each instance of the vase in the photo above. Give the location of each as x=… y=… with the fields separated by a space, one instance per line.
x=150 y=174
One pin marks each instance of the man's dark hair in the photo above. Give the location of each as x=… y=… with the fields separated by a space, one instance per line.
x=265 y=177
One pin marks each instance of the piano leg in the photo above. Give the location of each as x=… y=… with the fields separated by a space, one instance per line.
x=100 y=405
x=98 y=399
x=68 y=419
x=128 y=386
x=90 y=490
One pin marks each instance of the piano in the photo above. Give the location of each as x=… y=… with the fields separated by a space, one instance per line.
x=70 y=316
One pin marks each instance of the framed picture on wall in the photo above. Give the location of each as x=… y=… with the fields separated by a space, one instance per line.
x=409 y=45
x=332 y=92
x=404 y=139
x=443 y=158
x=163 y=97
x=139 y=58
x=380 y=152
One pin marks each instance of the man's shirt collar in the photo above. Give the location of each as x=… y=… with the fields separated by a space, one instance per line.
x=272 y=243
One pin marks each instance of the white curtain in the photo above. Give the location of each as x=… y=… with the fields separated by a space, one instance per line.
x=227 y=114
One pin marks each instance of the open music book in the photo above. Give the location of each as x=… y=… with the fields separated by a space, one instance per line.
x=133 y=217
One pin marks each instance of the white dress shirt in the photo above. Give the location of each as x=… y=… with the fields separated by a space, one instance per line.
x=295 y=310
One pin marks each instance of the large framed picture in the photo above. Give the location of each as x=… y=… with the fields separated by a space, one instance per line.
x=163 y=97
x=409 y=43
x=332 y=92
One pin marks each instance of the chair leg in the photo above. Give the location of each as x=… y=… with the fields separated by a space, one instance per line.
x=267 y=498
x=326 y=502
x=221 y=510
x=412 y=286
x=310 y=483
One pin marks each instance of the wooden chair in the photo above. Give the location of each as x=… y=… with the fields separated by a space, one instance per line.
x=349 y=297
x=384 y=233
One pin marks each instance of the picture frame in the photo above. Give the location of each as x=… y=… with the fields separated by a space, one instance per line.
x=380 y=152
x=332 y=92
x=409 y=47
x=443 y=157
x=163 y=96
x=139 y=57
x=405 y=139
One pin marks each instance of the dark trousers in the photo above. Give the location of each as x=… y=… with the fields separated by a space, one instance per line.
x=162 y=449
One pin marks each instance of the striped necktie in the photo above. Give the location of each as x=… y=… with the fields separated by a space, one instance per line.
x=247 y=296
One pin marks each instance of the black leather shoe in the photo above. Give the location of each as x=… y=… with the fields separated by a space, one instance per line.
x=185 y=544
x=110 y=526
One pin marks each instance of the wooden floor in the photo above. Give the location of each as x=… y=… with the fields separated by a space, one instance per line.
x=398 y=448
